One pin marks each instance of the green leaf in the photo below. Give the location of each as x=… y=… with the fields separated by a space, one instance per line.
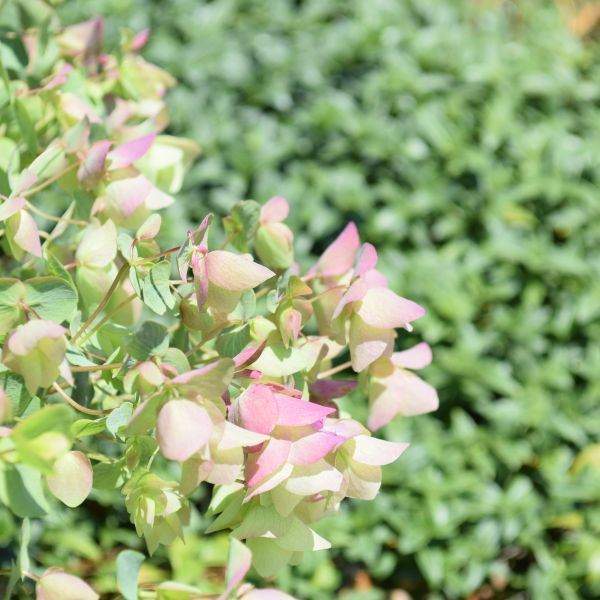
x=145 y=417
x=77 y=358
x=43 y=436
x=21 y=490
x=151 y=339
x=77 y=137
x=177 y=359
x=86 y=427
x=184 y=256
x=139 y=451
x=246 y=307
x=15 y=389
x=212 y=380
x=12 y=581
x=51 y=298
x=272 y=301
x=156 y=292
x=232 y=342
x=279 y=361
x=55 y=267
x=25 y=125
x=108 y=476
x=12 y=293
x=128 y=568
x=49 y=162
x=137 y=281
x=170 y=590
x=118 y=418
x=243 y=223
x=56 y=418
x=4 y=73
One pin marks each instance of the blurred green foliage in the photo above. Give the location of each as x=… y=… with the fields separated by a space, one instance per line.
x=465 y=141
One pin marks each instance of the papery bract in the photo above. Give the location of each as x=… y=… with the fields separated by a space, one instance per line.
x=72 y=478
x=36 y=350
x=393 y=390
x=56 y=585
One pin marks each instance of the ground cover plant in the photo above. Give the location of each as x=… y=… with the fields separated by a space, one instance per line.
x=462 y=137
x=207 y=381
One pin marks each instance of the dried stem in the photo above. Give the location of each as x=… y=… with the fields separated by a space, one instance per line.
x=120 y=275
x=54 y=218
x=107 y=317
x=334 y=370
x=92 y=368
x=76 y=405
x=49 y=181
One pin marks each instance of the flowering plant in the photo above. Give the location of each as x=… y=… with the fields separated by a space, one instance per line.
x=210 y=361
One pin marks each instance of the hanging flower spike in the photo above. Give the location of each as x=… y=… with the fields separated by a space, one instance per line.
x=156 y=508
x=360 y=460
x=394 y=391
x=222 y=461
x=129 y=196
x=220 y=277
x=374 y=311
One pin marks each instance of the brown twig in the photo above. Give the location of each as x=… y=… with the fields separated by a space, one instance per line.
x=76 y=405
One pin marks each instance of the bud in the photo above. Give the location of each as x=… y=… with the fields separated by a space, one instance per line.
x=274 y=245
x=144 y=378
x=35 y=350
x=274 y=241
x=157 y=509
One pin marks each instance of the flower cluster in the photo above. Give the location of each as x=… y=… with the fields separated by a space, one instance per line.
x=218 y=355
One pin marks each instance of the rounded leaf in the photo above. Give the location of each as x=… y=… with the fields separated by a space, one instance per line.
x=56 y=585
x=72 y=479
x=182 y=429
x=274 y=245
x=98 y=246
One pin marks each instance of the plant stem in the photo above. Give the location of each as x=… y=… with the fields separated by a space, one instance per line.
x=120 y=275
x=320 y=295
x=107 y=317
x=334 y=370
x=76 y=405
x=49 y=181
x=54 y=218
x=227 y=240
x=92 y=368
x=141 y=261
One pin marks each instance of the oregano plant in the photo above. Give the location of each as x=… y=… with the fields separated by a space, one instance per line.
x=150 y=369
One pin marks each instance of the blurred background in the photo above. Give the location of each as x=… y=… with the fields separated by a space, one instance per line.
x=463 y=137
